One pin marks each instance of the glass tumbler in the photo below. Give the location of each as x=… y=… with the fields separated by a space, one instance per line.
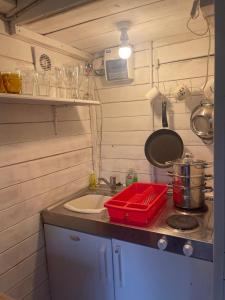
x=12 y=82
x=43 y=83
x=53 y=83
x=28 y=82
x=67 y=79
x=60 y=78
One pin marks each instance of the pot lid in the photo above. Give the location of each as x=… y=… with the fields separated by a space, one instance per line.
x=188 y=160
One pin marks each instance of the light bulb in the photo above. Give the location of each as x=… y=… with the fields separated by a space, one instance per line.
x=125 y=52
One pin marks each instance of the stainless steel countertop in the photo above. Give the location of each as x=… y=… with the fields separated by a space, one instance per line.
x=100 y=224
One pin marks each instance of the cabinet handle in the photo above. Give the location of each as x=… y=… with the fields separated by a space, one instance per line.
x=103 y=267
x=74 y=238
x=119 y=260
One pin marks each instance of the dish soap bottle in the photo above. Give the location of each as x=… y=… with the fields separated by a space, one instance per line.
x=92 y=181
x=135 y=177
x=130 y=177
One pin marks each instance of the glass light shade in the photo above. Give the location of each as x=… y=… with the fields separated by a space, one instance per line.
x=125 y=52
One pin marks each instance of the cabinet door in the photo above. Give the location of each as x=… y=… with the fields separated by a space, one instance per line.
x=79 y=264
x=149 y=274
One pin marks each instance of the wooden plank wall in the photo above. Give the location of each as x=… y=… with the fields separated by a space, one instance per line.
x=128 y=116
x=37 y=169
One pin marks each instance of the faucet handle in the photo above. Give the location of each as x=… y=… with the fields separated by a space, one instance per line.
x=113 y=180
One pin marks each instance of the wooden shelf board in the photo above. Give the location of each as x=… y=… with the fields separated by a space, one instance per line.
x=27 y=99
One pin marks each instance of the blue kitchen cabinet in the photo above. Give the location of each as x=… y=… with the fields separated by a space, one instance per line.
x=87 y=267
x=149 y=274
x=80 y=265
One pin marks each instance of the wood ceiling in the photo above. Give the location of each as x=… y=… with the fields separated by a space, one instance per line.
x=92 y=27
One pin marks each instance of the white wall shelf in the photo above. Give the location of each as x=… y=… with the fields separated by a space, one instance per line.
x=27 y=99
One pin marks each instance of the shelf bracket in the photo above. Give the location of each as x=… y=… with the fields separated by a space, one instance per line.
x=54 y=113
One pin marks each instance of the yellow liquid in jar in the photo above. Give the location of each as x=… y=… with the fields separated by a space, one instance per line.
x=12 y=82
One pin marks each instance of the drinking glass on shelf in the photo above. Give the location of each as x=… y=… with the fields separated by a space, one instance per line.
x=53 y=84
x=12 y=82
x=88 y=76
x=80 y=81
x=76 y=82
x=88 y=92
x=43 y=83
x=71 y=73
x=61 y=89
x=68 y=79
x=28 y=77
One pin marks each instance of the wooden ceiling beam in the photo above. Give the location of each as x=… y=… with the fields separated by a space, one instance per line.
x=86 y=14
x=48 y=43
x=7 y=5
x=34 y=10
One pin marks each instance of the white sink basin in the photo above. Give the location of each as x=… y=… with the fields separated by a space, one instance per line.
x=88 y=204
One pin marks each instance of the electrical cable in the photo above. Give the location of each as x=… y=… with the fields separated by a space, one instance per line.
x=208 y=55
x=101 y=128
x=208 y=30
x=194 y=15
x=192 y=31
x=157 y=74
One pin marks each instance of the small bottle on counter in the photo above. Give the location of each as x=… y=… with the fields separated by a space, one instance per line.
x=135 y=177
x=92 y=181
x=131 y=177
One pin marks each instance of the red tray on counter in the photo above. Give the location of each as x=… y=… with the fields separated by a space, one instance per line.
x=137 y=204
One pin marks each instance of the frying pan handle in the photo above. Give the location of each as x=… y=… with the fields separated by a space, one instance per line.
x=164 y=116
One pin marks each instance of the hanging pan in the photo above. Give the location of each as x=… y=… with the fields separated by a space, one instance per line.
x=164 y=144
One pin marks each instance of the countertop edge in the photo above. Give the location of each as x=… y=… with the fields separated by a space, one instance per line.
x=122 y=232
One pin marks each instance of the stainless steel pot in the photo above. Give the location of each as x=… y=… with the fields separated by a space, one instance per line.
x=187 y=167
x=190 y=198
x=188 y=182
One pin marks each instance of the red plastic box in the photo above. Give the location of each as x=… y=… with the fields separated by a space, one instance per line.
x=137 y=204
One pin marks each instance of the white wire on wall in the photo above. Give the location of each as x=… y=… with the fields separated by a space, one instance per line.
x=208 y=54
x=207 y=31
x=194 y=32
x=101 y=128
x=152 y=106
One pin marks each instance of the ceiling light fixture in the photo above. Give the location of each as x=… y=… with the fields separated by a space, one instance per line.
x=125 y=49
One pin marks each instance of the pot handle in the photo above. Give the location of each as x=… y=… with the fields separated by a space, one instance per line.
x=170 y=188
x=209 y=177
x=207 y=164
x=170 y=173
x=206 y=177
x=207 y=141
x=207 y=189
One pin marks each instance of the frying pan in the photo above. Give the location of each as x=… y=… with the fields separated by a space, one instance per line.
x=164 y=144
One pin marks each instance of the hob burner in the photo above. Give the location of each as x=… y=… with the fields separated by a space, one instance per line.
x=182 y=222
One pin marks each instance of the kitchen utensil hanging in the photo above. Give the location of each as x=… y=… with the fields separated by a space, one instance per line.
x=208 y=90
x=164 y=144
x=202 y=122
x=182 y=92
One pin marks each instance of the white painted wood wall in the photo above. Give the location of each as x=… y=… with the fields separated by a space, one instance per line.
x=37 y=169
x=128 y=116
